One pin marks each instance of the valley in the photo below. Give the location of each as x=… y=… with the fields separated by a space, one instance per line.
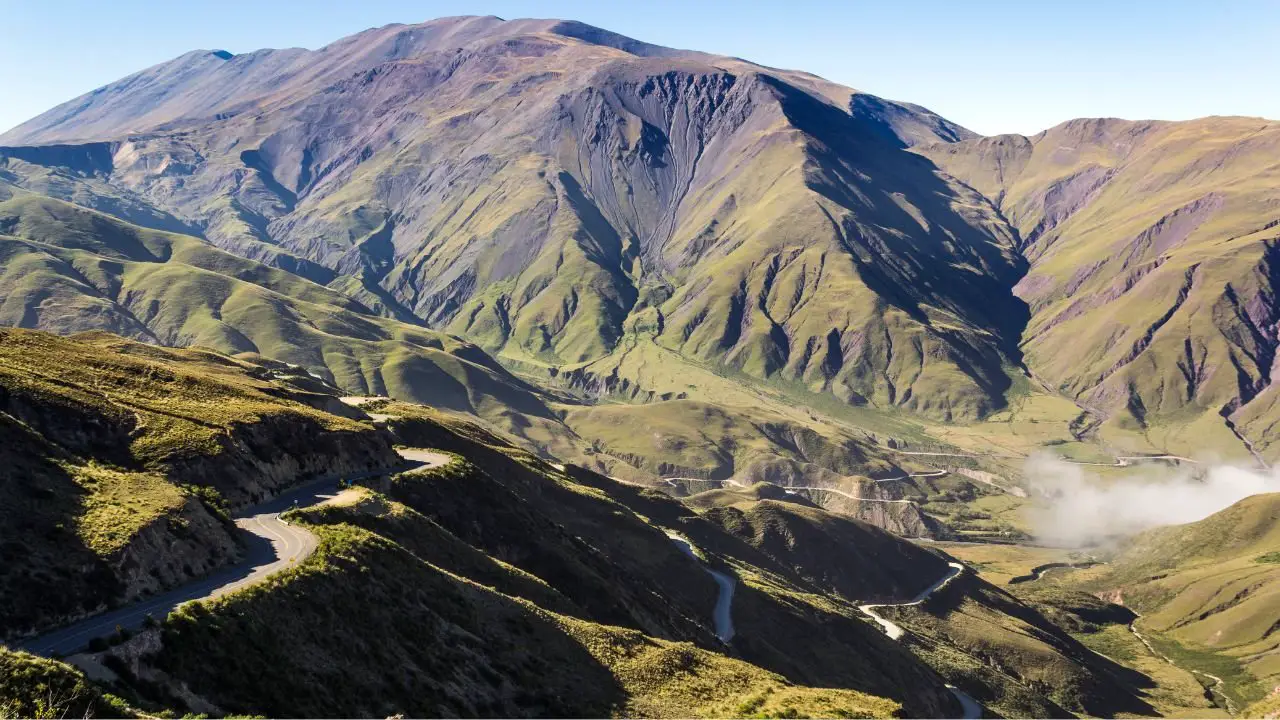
x=485 y=367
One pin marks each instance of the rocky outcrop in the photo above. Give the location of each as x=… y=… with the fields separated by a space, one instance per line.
x=186 y=543
x=259 y=460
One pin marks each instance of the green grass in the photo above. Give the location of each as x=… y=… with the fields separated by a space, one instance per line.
x=36 y=687
x=1268 y=707
x=1238 y=684
x=121 y=447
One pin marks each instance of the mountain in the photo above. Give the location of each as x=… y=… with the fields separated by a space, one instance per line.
x=691 y=345
x=562 y=195
x=1151 y=279
x=615 y=220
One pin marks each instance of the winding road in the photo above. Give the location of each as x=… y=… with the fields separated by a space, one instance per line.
x=850 y=495
x=894 y=630
x=931 y=473
x=970 y=708
x=270 y=543
x=724 y=601
x=1218 y=683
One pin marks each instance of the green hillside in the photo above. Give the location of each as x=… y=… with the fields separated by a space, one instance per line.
x=67 y=269
x=124 y=459
x=1151 y=280
x=452 y=574
x=1210 y=586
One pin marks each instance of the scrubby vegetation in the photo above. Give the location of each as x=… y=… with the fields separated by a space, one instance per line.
x=117 y=448
x=36 y=687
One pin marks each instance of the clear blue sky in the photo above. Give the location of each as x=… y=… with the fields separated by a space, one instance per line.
x=992 y=66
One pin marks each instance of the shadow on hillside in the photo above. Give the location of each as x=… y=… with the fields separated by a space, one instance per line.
x=47 y=572
x=865 y=175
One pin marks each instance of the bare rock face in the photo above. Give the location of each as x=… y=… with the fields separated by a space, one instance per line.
x=174 y=549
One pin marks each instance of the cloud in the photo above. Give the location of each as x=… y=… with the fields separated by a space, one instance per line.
x=1074 y=507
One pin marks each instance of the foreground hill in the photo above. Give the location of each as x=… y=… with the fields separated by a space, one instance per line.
x=121 y=461
x=451 y=574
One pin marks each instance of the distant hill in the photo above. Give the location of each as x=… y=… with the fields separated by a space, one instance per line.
x=1152 y=278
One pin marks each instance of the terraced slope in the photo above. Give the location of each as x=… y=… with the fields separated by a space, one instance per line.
x=1152 y=268
x=560 y=195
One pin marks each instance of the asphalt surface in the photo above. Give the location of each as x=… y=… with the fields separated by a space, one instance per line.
x=724 y=601
x=270 y=545
x=894 y=630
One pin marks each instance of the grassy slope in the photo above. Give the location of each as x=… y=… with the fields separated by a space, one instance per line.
x=837 y=554
x=1208 y=589
x=112 y=445
x=36 y=687
x=498 y=553
x=100 y=273
x=68 y=269
x=1151 y=268
x=1267 y=708
x=777 y=611
x=1104 y=627
x=1006 y=653
x=461 y=648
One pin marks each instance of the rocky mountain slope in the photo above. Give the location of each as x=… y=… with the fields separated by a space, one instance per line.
x=469 y=172
x=1151 y=280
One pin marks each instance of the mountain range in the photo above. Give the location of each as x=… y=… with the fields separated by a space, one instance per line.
x=667 y=289
x=588 y=208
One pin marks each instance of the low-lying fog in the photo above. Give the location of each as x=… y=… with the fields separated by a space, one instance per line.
x=1073 y=506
